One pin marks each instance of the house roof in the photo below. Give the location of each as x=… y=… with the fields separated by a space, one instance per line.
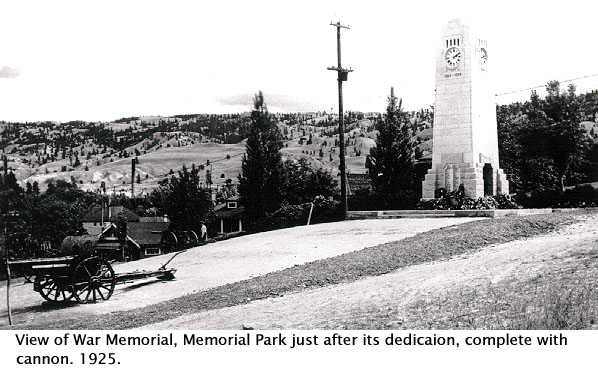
x=95 y=214
x=153 y=219
x=229 y=212
x=147 y=233
x=109 y=240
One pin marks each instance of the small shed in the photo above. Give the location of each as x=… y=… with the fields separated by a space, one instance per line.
x=230 y=216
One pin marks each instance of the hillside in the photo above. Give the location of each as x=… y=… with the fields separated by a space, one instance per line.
x=92 y=154
x=89 y=153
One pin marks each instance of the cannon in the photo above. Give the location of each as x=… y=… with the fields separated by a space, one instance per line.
x=85 y=278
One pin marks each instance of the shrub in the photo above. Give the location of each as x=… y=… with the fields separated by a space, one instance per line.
x=456 y=200
x=362 y=201
x=580 y=196
x=289 y=215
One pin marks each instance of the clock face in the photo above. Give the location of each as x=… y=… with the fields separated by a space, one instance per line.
x=452 y=57
x=483 y=56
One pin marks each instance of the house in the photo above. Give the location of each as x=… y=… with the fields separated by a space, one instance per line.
x=144 y=239
x=148 y=238
x=230 y=216
x=99 y=218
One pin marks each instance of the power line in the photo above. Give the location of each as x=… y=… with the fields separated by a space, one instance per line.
x=537 y=87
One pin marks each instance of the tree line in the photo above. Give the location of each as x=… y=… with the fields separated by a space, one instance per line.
x=541 y=143
x=542 y=148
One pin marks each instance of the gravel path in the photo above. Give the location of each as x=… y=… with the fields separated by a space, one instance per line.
x=226 y=262
x=353 y=305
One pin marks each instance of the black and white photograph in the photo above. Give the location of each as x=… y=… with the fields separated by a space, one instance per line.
x=409 y=169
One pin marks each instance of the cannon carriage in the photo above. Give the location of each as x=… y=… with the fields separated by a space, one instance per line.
x=85 y=278
x=83 y=271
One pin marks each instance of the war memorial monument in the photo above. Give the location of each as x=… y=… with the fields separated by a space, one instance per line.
x=465 y=142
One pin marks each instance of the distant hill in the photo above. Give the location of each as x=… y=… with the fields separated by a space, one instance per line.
x=90 y=154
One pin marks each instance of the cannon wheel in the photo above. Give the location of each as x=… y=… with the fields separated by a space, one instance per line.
x=52 y=290
x=93 y=280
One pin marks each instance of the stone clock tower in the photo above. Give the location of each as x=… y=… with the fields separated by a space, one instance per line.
x=465 y=141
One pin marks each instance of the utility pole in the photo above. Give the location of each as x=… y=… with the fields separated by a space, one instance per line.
x=5 y=207
x=342 y=76
x=133 y=177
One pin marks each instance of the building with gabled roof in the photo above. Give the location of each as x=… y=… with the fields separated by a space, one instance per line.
x=230 y=215
x=99 y=218
x=144 y=239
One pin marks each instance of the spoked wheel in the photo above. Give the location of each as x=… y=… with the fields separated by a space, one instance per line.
x=93 y=280
x=54 y=289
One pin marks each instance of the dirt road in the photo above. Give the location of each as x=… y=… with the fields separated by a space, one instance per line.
x=353 y=305
x=225 y=262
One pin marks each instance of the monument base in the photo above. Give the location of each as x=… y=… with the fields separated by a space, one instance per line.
x=478 y=179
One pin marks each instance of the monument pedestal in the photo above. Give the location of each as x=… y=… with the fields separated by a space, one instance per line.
x=470 y=175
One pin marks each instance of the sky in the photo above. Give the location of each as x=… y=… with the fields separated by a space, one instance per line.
x=103 y=60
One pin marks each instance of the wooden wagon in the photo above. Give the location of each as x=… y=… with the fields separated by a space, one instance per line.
x=86 y=278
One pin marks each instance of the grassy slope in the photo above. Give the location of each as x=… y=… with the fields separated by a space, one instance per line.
x=563 y=297
x=159 y=160
x=156 y=164
x=430 y=246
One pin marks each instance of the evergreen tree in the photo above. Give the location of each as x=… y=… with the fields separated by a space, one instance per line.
x=261 y=180
x=390 y=163
x=183 y=199
x=35 y=188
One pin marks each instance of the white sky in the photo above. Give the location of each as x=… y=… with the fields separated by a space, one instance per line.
x=102 y=60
